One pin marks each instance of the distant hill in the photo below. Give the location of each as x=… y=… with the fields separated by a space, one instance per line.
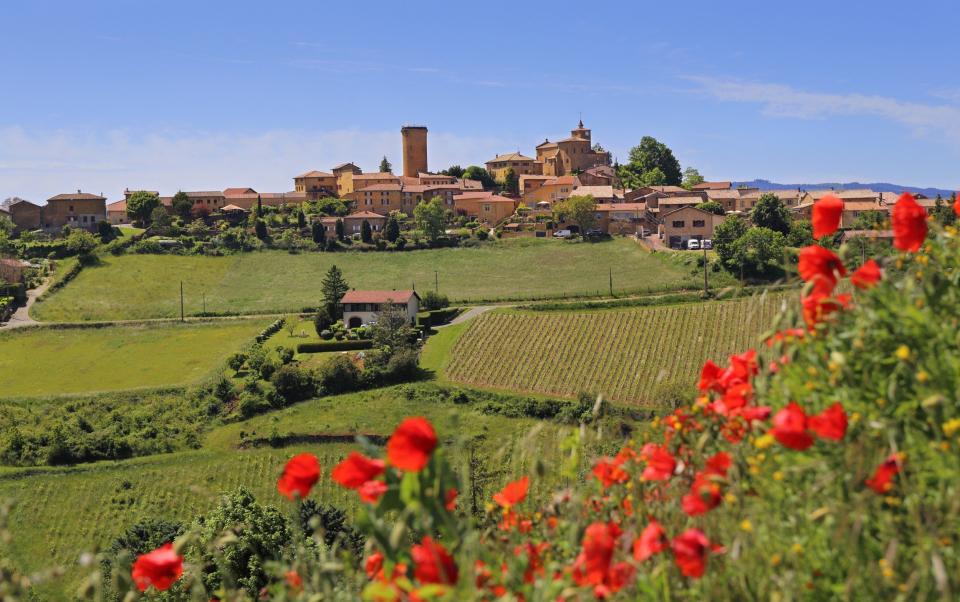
x=877 y=186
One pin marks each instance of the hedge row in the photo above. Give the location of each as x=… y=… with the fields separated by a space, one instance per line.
x=269 y=331
x=321 y=346
x=437 y=316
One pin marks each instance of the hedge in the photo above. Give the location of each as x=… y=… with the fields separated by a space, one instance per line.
x=320 y=347
x=437 y=316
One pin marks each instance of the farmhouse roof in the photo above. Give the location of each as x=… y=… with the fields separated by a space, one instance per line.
x=473 y=194
x=621 y=206
x=711 y=186
x=76 y=196
x=510 y=157
x=203 y=193
x=315 y=174
x=375 y=176
x=117 y=206
x=672 y=211
x=845 y=194
x=238 y=191
x=232 y=208
x=365 y=215
x=681 y=200
x=21 y=202
x=379 y=296
x=376 y=187
x=602 y=192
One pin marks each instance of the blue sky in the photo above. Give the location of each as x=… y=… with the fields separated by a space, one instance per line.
x=206 y=95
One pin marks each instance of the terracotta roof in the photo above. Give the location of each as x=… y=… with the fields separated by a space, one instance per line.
x=731 y=193
x=672 y=211
x=315 y=174
x=868 y=233
x=546 y=143
x=602 y=192
x=844 y=194
x=21 y=201
x=365 y=215
x=232 y=208
x=238 y=191
x=621 y=206
x=344 y=165
x=378 y=296
x=479 y=194
x=77 y=196
x=564 y=181
x=377 y=187
x=117 y=206
x=605 y=169
x=711 y=186
x=468 y=184
x=681 y=200
x=781 y=194
x=496 y=198
x=412 y=188
x=863 y=206
x=429 y=176
x=375 y=176
x=510 y=157
x=667 y=189
x=203 y=193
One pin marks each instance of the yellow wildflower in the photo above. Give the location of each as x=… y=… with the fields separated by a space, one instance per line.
x=778 y=476
x=950 y=427
x=730 y=498
x=797 y=549
x=754 y=470
x=922 y=376
x=765 y=441
x=903 y=353
x=746 y=525
x=775 y=560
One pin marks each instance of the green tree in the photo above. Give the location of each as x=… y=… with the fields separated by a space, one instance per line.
x=874 y=220
x=141 y=204
x=691 y=177
x=599 y=149
x=328 y=206
x=712 y=206
x=81 y=242
x=724 y=235
x=429 y=217
x=104 y=231
x=943 y=211
x=511 y=183
x=340 y=230
x=650 y=154
x=182 y=205
x=366 y=233
x=301 y=219
x=322 y=320
x=385 y=166
x=260 y=229
x=393 y=331
x=319 y=233
x=392 y=229
x=579 y=209
x=475 y=172
x=160 y=221
x=770 y=212
x=759 y=253
x=333 y=287
x=654 y=177
x=800 y=234
x=454 y=170
x=259 y=206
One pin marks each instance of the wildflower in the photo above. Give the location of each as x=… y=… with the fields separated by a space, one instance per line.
x=514 y=493
x=608 y=472
x=956 y=206
x=593 y=565
x=903 y=353
x=299 y=476
x=534 y=554
x=880 y=482
x=293 y=580
x=356 y=470
x=746 y=525
x=764 y=441
x=818 y=306
x=412 y=444
x=821 y=267
x=159 y=568
x=432 y=563
x=450 y=499
x=374 y=565
x=866 y=275
x=775 y=560
x=790 y=427
x=690 y=552
x=923 y=376
x=660 y=463
x=831 y=423
x=652 y=541
x=371 y=491
x=826 y=215
x=778 y=475
x=950 y=427
x=909 y=222
x=796 y=548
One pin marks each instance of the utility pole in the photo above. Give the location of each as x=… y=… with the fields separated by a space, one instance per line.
x=204 y=302
x=706 y=290
x=436 y=281
x=181 y=301
x=611 y=281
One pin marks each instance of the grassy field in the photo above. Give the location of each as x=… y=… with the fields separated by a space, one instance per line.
x=62 y=361
x=148 y=286
x=61 y=512
x=622 y=354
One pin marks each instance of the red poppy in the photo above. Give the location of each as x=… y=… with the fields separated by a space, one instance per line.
x=450 y=500
x=705 y=494
x=593 y=565
x=514 y=493
x=608 y=472
x=652 y=540
x=411 y=445
x=690 y=552
x=821 y=267
x=866 y=275
x=909 y=223
x=710 y=377
x=432 y=563
x=159 y=568
x=826 y=215
x=356 y=470
x=830 y=423
x=299 y=476
x=293 y=580
x=956 y=206
x=374 y=565
x=534 y=559
x=371 y=491
x=818 y=306
x=660 y=463
x=881 y=482
x=719 y=463
x=790 y=427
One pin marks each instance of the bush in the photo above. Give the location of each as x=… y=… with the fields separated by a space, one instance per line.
x=326 y=345
x=338 y=375
x=433 y=301
x=293 y=383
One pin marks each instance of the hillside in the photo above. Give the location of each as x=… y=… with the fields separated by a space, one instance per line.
x=877 y=186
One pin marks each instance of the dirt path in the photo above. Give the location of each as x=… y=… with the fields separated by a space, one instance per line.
x=21 y=317
x=473 y=312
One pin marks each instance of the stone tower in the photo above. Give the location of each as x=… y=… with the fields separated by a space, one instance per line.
x=414 y=149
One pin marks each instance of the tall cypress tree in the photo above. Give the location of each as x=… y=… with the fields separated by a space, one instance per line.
x=333 y=288
x=319 y=233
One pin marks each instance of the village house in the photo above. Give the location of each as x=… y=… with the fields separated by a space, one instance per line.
x=552 y=191
x=602 y=194
x=78 y=210
x=353 y=223
x=117 y=213
x=570 y=155
x=600 y=175
x=26 y=215
x=491 y=209
x=316 y=184
x=12 y=270
x=623 y=218
x=344 y=176
x=529 y=183
x=361 y=308
x=521 y=165
x=681 y=225
x=855 y=203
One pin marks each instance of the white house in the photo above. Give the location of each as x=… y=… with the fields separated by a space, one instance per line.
x=362 y=307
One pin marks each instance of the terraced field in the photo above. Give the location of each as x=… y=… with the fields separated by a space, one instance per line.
x=622 y=354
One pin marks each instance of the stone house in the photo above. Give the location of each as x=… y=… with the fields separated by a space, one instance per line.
x=362 y=307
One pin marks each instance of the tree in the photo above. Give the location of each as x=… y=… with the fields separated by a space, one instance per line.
x=301 y=219
x=236 y=361
x=322 y=320
x=160 y=220
x=759 y=253
x=579 y=209
x=141 y=204
x=475 y=172
x=104 y=230
x=770 y=212
x=340 y=230
x=433 y=301
x=800 y=234
x=319 y=233
x=366 y=233
x=429 y=217
x=654 y=177
x=691 y=177
x=182 y=205
x=81 y=242
x=259 y=206
x=333 y=287
x=392 y=229
x=724 y=235
x=942 y=212
x=712 y=206
x=392 y=332
x=385 y=166
x=454 y=170
x=511 y=183
x=650 y=154
x=260 y=229
x=327 y=206
x=878 y=220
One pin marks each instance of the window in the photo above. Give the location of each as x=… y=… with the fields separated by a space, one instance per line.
x=678 y=224
x=698 y=223
x=486 y=207
x=71 y=208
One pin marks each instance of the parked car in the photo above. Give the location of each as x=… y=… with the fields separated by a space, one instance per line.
x=707 y=244
x=595 y=233
x=562 y=234
x=693 y=244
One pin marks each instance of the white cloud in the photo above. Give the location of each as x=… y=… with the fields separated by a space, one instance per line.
x=780 y=100
x=37 y=164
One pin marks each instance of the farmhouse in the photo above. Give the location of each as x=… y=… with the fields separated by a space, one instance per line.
x=361 y=307
x=26 y=215
x=78 y=210
x=11 y=270
x=681 y=225
x=491 y=209
x=117 y=213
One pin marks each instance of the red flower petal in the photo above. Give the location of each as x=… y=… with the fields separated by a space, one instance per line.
x=608 y=472
x=299 y=476
x=652 y=541
x=660 y=463
x=371 y=491
x=412 y=444
x=881 y=481
x=356 y=470
x=866 y=275
x=826 y=215
x=450 y=500
x=909 y=222
x=690 y=552
x=432 y=563
x=790 y=427
x=830 y=423
x=159 y=568
x=821 y=267
x=514 y=493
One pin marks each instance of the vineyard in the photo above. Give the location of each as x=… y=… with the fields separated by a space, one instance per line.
x=624 y=355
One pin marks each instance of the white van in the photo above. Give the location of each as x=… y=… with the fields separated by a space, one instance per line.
x=693 y=244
